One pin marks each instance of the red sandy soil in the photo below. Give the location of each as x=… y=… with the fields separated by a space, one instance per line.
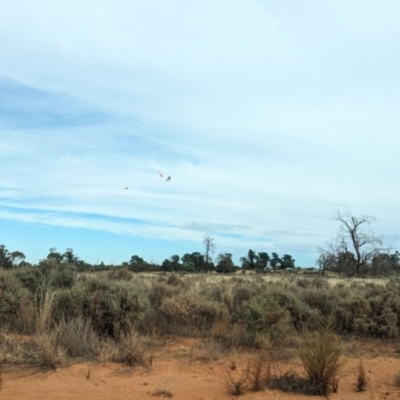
x=177 y=368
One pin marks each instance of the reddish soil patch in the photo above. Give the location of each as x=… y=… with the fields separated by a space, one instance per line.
x=180 y=370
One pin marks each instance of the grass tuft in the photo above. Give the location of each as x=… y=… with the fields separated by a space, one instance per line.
x=362 y=378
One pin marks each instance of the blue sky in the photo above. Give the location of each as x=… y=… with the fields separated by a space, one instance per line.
x=269 y=116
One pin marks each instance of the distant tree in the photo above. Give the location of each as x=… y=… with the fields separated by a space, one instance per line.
x=166 y=265
x=385 y=264
x=198 y=260
x=287 y=261
x=70 y=257
x=245 y=264
x=275 y=261
x=55 y=256
x=262 y=261
x=353 y=238
x=252 y=259
x=17 y=257
x=137 y=264
x=171 y=264
x=209 y=247
x=193 y=262
x=326 y=261
x=176 y=266
x=354 y=247
x=10 y=259
x=187 y=263
x=225 y=263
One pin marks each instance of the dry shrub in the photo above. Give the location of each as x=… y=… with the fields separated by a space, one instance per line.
x=260 y=374
x=397 y=379
x=262 y=341
x=362 y=378
x=121 y=274
x=190 y=310
x=175 y=280
x=231 y=334
x=78 y=338
x=162 y=393
x=131 y=349
x=320 y=355
x=292 y=382
x=238 y=384
x=47 y=353
x=107 y=351
x=26 y=321
x=12 y=351
x=213 y=349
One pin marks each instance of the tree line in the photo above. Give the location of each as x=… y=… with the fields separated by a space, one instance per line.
x=189 y=262
x=356 y=251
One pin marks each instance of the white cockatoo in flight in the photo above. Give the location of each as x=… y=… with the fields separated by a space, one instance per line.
x=162 y=176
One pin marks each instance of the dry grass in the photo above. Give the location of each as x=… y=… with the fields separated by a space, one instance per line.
x=44 y=309
x=78 y=338
x=131 y=349
x=107 y=351
x=48 y=355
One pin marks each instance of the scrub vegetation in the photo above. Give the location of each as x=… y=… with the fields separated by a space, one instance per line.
x=63 y=311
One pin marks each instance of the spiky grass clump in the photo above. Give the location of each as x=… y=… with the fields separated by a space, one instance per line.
x=320 y=355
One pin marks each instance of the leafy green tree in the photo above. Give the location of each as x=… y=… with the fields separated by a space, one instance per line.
x=17 y=257
x=287 y=261
x=252 y=259
x=10 y=259
x=245 y=264
x=275 y=261
x=193 y=262
x=171 y=264
x=225 y=263
x=70 y=257
x=187 y=263
x=137 y=264
x=55 y=256
x=262 y=261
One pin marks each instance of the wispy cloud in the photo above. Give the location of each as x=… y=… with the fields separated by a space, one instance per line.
x=267 y=116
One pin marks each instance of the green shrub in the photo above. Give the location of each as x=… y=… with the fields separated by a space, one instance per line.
x=13 y=296
x=320 y=355
x=110 y=306
x=263 y=315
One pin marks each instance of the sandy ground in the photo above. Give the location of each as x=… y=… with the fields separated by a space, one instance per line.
x=177 y=371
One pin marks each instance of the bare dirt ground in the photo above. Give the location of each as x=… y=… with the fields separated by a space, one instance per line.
x=180 y=371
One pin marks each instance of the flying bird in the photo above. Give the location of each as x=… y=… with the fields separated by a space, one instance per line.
x=161 y=174
x=168 y=179
x=126 y=188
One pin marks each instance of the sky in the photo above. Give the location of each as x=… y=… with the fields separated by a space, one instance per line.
x=269 y=116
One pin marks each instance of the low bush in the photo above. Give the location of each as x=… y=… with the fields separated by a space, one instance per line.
x=320 y=354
